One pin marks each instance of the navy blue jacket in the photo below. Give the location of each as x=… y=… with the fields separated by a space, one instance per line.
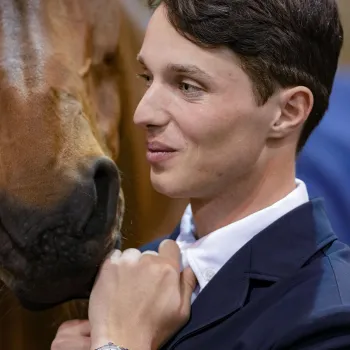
x=288 y=288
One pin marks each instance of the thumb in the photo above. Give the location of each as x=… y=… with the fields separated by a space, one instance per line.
x=188 y=284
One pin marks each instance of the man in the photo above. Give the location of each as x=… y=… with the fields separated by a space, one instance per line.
x=234 y=89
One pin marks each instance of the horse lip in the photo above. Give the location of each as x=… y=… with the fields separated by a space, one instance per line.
x=34 y=306
x=39 y=306
x=34 y=301
x=93 y=230
x=10 y=272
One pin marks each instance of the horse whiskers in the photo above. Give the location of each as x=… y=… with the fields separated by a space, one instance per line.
x=87 y=194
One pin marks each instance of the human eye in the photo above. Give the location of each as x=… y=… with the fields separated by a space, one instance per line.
x=190 y=89
x=146 y=77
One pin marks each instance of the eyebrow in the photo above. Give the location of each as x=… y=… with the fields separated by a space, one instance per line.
x=189 y=69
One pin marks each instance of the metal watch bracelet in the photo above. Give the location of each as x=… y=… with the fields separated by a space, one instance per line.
x=111 y=346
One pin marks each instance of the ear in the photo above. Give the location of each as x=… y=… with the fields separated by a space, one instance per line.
x=100 y=71
x=104 y=18
x=295 y=106
x=117 y=31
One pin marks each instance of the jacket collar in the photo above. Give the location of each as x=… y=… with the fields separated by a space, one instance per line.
x=273 y=254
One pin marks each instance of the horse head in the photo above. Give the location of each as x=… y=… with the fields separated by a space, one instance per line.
x=61 y=202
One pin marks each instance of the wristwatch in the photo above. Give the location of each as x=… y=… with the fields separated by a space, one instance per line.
x=111 y=346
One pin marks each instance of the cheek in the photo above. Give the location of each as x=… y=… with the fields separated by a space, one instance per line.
x=207 y=135
x=198 y=124
x=206 y=126
x=222 y=138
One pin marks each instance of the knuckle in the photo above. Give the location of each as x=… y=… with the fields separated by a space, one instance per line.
x=168 y=270
x=184 y=314
x=157 y=266
x=108 y=266
x=114 y=257
x=148 y=259
x=57 y=344
x=65 y=327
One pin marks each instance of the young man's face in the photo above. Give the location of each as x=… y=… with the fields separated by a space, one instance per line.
x=200 y=105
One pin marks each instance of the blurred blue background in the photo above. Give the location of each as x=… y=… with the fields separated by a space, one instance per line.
x=324 y=163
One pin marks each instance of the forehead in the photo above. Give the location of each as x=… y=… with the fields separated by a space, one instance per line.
x=33 y=23
x=163 y=45
x=36 y=48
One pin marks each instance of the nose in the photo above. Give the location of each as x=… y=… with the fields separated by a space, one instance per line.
x=87 y=212
x=71 y=237
x=104 y=184
x=153 y=109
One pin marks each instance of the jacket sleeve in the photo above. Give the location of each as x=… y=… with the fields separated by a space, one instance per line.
x=328 y=330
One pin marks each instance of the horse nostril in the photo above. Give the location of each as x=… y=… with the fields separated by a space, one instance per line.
x=106 y=186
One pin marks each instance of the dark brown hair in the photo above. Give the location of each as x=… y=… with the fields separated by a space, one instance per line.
x=279 y=42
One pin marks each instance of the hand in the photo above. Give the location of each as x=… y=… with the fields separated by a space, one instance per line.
x=73 y=335
x=140 y=300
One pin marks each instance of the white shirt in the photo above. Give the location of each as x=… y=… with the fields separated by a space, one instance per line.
x=206 y=256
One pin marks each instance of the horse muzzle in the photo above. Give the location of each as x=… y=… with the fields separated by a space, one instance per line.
x=53 y=255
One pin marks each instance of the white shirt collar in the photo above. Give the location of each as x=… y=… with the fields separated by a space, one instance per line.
x=207 y=255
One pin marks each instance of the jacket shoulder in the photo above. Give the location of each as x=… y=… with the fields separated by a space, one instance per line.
x=319 y=305
x=154 y=245
x=337 y=261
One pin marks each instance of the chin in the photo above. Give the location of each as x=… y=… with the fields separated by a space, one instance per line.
x=169 y=187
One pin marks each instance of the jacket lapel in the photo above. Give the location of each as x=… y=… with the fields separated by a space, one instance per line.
x=275 y=253
x=224 y=295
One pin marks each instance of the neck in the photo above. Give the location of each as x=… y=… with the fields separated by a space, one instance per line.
x=243 y=197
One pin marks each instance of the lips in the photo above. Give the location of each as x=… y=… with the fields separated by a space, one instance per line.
x=159 y=147
x=158 y=152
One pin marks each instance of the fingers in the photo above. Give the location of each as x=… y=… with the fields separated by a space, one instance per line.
x=85 y=329
x=130 y=255
x=75 y=327
x=115 y=256
x=169 y=249
x=150 y=252
x=188 y=283
x=71 y=343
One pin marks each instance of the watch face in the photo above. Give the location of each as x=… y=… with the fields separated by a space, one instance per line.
x=112 y=346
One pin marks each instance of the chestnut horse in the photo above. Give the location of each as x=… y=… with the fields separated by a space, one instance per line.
x=58 y=182
x=67 y=84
